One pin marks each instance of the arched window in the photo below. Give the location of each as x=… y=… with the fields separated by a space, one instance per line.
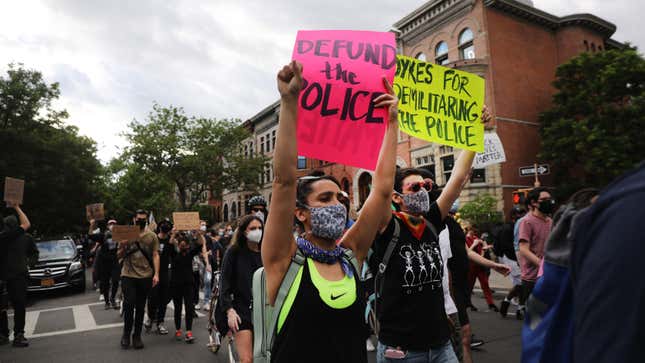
x=466 y=47
x=225 y=212
x=441 y=53
x=593 y=47
x=586 y=45
x=345 y=185
x=234 y=211
x=364 y=186
x=420 y=56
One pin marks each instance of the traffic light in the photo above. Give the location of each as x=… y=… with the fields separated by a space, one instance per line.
x=519 y=196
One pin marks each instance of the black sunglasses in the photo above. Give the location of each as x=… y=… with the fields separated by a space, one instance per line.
x=415 y=187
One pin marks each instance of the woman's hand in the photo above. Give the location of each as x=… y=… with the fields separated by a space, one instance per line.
x=502 y=269
x=390 y=101
x=234 y=320
x=290 y=81
x=486 y=118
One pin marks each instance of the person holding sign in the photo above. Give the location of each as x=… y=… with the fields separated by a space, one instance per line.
x=323 y=311
x=13 y=274
x=407 y=259
x=140 y=272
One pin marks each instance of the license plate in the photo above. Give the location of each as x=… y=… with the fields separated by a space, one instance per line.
x=47 y=282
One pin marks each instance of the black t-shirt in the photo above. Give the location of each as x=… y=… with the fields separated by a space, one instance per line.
x=411 y=310
x=504 y=241
x=236 y=281
x=165 y=250
x=7 y=236
x=182 y=265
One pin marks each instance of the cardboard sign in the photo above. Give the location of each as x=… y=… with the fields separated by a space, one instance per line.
x=493 y=152
x=185 y=221
x=125 y=233
x=342 y=72
x=440 y=104
x=13 y=190
x=95 y=212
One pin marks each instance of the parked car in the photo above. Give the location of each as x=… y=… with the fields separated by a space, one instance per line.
x=59 y=265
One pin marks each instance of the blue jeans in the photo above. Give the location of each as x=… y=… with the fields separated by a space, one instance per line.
x=444 y=354
x=207 y=286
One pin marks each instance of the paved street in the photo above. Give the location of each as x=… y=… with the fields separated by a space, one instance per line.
x=69 y=327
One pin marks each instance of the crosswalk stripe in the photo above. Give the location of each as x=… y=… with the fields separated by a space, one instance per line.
x=83 y=318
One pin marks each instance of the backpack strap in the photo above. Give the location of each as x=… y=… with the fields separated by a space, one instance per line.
x=348 y=255
x=265 y=316
x=378 y=280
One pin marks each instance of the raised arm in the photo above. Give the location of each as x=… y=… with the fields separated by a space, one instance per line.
x=376 y=212
x=278 y=245
x=22 y=217
x=459 y=175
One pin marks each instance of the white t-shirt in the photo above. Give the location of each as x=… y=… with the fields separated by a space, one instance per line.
x=446 y=253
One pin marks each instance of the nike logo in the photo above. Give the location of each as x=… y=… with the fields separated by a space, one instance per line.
x=338 y=297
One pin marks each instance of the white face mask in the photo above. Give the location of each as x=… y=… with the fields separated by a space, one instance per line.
x=202 y=228
x=254 y=236
x=260 y=215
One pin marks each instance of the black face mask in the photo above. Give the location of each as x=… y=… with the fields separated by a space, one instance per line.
x=141 y=223
x=547 y=206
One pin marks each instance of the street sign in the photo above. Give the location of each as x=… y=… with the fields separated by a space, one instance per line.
x=542 y=169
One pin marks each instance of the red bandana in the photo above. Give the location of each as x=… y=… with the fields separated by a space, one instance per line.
x=411 y=222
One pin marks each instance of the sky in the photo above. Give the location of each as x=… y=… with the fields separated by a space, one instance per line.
x=216 y=58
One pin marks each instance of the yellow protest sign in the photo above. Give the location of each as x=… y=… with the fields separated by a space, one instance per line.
x=440 y=104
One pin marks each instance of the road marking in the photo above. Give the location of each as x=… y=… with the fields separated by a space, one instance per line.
x=83 y=318
x=31 y=318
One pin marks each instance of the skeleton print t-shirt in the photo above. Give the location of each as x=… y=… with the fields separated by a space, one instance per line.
x=411 y=309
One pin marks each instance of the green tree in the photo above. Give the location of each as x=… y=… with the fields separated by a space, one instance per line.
x=194 y=154
x=481 y=211
x=593 y=132
x=60 y=168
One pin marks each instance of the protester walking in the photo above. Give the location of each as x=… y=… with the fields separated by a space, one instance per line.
x=160 y=295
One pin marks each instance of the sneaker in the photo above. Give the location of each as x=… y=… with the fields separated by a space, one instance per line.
x=504 y=308
x=178 y=334
x=4 y=340
x=476 y=343
x=114 y=305
x=148 y=325
x=136 y=342
x=198 y=306
x=101 y=298
x=161 y=329
x=369 y=345
x=473 y=308
x=20 y=341
x=493 y=307
x=189 y=337
x=125 y=342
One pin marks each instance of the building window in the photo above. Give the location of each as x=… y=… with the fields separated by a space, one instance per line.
x=262 y=144
x=466 y=47
x=586 y=45
x=273 y=140
x=447 y=162
x=267 y=174
x=225 y=212
x=593 y=47
x=478 y=176
x=302 y=162
x=441 y=53
x=420 y=56
x=345 y=185
x=233 y=211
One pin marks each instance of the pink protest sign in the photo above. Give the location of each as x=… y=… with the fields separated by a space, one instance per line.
x=343 y=72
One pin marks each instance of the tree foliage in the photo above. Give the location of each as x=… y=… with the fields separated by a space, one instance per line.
x=60 y=168
x=481 y=211
x=593 y=132
x=194 y=155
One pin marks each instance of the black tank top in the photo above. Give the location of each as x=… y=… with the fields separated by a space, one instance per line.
x=314 y=332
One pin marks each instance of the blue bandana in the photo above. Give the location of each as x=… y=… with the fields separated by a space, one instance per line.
x=324 y=256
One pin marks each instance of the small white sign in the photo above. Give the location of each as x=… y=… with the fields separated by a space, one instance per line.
x=493 y=152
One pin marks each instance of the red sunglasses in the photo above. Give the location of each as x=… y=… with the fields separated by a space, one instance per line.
x=415 y=187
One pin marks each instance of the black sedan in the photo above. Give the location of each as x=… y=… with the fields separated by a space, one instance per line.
x=59 y=266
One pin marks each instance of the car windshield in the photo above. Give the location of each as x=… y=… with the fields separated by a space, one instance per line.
x=54 y=250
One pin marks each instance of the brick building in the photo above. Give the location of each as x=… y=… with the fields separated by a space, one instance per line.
x=515 y=47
